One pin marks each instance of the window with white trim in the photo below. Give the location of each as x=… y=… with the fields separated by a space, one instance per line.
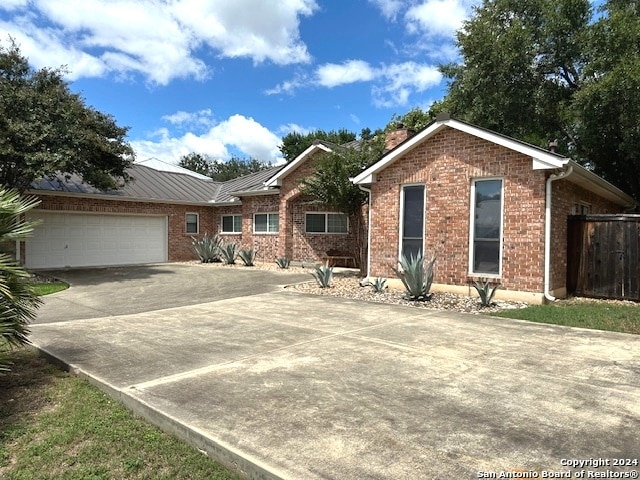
x=486 y=226
x=192 y=223
x=231 y=224
x=412 y=226
x=316 y=222
x=265 y=223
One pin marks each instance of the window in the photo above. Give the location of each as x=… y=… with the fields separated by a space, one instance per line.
x=486 y=226
x=265 y=223
x=192 y=223
x=412 y=233
x=232 y=224
x=326 y=223
x=581 y=209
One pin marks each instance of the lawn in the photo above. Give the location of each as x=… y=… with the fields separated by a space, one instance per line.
x=56 y=426
x=48 y=288
x=610 y=316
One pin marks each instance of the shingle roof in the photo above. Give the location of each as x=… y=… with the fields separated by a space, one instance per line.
x=164 y=186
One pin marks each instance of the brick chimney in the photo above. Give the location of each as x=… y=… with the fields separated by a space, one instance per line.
x=395 y=137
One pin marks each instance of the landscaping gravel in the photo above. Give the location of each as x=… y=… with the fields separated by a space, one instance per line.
x=346 y=284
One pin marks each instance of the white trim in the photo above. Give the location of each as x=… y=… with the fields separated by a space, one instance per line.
x=186 y=223
x=326 y=223
x=401 y=217
x=222 y=232
x=276 y=214
x=276 y=180
x=472 y=206
x=540 y=158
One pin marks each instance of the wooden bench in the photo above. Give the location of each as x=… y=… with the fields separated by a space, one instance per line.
x=332 y=257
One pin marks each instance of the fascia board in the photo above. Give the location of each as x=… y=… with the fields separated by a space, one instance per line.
x=276 y=180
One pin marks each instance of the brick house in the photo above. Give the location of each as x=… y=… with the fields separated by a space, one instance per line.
x=488 y=206
x=154 y=218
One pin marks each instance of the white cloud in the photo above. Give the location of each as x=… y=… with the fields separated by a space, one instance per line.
x=13 y=4
x=238 y=135
x=191 y=120
x=331 y=75
x=437 y=17
x=156 y=38
x=388 y=8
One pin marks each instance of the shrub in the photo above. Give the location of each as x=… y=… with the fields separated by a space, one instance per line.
x=416 y=274
x=323 y=276
x=485 y=292
x=248 y=256
x=229 y=253
x=207 y=248
x=283 y=262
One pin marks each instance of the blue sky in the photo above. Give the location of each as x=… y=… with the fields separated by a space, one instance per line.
x=231 y=77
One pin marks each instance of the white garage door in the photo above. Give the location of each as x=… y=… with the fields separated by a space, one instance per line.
x=89 y=240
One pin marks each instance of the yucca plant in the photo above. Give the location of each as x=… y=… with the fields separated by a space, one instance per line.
x=416 y=274
x=323 y=276
x=248 y=256
x=229 y=253
x=485 y=292
x=283 y=262
x=207 y=248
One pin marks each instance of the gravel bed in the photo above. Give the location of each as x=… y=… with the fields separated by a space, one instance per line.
x=346 y=284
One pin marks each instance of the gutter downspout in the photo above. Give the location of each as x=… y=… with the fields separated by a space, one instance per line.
x=547 y=231
x=368 y=190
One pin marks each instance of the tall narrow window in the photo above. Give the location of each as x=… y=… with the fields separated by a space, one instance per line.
x=412 y=220
x=487 y=226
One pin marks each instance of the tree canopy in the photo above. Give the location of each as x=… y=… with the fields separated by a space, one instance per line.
x=46 y=129
x=221 y=171
x=541 y=70
x=294 y=143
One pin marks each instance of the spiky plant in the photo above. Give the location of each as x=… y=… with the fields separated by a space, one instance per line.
x=229 y=253
x=207 y=248
x=283 y=262
x=323 y=276
x=248 y=256
x=416 y=273
x=485 y=292
x=379 y=284
x=18 y=300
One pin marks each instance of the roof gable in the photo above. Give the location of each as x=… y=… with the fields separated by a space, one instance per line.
x=541 y=159
x=276 y=180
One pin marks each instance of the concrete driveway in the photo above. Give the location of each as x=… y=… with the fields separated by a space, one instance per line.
x=286 y=385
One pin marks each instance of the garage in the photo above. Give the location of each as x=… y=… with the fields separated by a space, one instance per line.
x=88 y=240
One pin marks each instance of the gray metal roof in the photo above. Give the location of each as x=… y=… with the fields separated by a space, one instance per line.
x=149 y=184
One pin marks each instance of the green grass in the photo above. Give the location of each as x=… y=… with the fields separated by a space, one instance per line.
x=49 y=288
x=56 y=426
x=608 y=316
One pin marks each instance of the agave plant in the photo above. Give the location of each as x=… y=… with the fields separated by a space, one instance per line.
x=248 y=256
x=283 y=262
x=207 y=248
x=379 y=284
x=323 y=276
x=229 y=253
x=485 y=292
x=416 y=274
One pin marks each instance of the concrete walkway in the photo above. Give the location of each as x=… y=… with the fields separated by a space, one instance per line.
x=286 y=385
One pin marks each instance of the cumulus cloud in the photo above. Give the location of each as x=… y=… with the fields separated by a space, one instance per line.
x=237 y=135
x=154 y=38
x=437 y=17
x=388 y=8
x=331 y=75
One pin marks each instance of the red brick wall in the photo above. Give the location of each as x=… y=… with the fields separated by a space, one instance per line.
x=447 y=163
x=217 y=217
x=179 y=248
x=265 y=244
x=565 y=194
x=293 y=242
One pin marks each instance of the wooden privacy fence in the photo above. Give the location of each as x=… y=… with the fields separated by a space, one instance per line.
x=603 y=256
